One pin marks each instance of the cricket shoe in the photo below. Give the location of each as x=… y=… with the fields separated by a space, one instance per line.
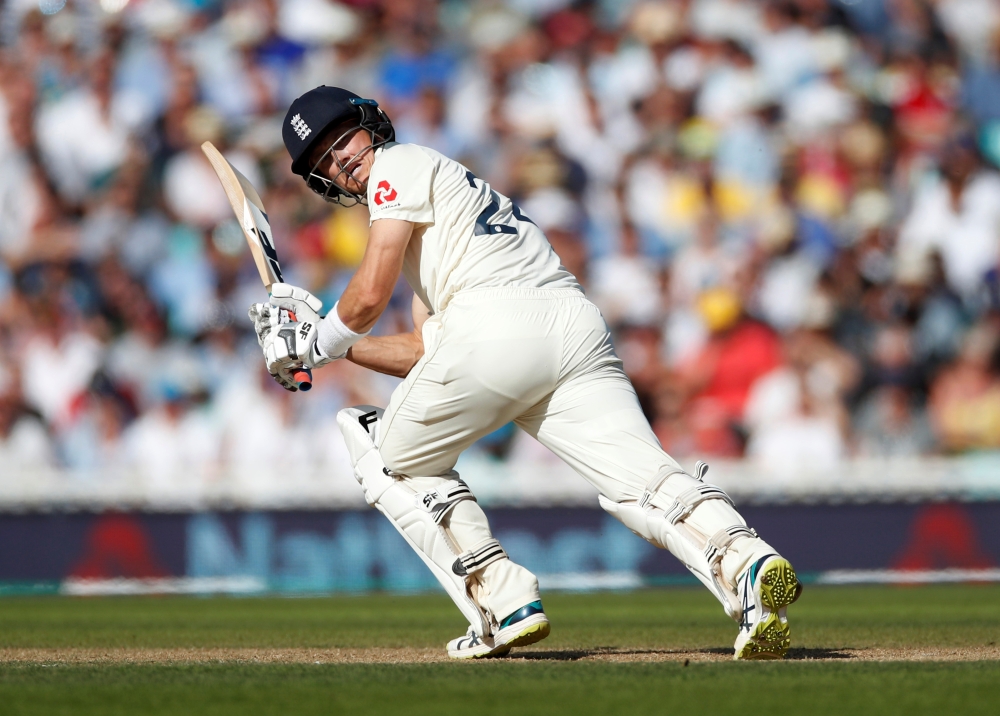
x=525 y=626
x=473 y=646
x=765 y=591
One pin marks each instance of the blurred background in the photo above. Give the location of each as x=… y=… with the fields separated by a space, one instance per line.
x=788 y=211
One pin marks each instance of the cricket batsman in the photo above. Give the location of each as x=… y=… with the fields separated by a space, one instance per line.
x=502 y=332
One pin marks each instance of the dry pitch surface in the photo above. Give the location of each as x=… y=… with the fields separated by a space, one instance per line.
x=431 y=655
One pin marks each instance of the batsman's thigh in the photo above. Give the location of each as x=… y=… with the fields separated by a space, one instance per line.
x=464 y=392
x=594 y=423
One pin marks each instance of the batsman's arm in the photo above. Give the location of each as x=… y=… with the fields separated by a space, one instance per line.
x=393 y=355
x=370 y=289
x=368 y=292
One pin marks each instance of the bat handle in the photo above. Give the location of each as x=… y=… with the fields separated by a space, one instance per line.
x=304 y=379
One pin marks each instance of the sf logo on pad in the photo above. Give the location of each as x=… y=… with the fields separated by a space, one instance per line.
x=384 y=193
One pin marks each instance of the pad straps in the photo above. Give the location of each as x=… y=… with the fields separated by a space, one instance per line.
x=439 y=502
x=685 y=502
x=700 y=468
x=720 y=542
x=478 y=558
x=654 y=485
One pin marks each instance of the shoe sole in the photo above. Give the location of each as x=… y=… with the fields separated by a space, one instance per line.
x=497 y=651
x=771 y=637
x=536 y=629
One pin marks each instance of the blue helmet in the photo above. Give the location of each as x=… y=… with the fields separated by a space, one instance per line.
x=310 y=119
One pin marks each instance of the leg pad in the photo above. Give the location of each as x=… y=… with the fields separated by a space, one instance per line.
x=696 y=521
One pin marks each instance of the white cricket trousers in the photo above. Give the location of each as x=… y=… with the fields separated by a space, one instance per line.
x=541 y=358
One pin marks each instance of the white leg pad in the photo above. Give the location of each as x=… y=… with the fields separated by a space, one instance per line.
x=695 y=521
x=421 y=517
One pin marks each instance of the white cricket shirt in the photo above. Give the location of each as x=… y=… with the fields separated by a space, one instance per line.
x=466 y=235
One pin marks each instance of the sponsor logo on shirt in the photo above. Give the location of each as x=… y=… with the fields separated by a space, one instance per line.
x=384 y=193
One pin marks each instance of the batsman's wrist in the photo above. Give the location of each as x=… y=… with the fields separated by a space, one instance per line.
x=335 y=337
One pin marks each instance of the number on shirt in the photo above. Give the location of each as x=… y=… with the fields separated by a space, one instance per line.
x=483 y=224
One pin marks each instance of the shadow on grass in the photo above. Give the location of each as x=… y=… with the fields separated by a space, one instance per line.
x=797 y=654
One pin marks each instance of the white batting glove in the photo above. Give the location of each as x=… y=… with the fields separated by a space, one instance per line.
x=266 y=320
x=283 y=377
x=299 y=344
x=287 y=303
x=293 y=344
x=334 y=338
x=297 y=301
x=286 y=332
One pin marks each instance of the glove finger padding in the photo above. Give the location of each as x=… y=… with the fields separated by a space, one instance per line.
x=265 y=318
x=303 y=304
x=283 y=377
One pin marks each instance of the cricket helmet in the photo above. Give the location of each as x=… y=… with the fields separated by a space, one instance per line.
x=309 y=119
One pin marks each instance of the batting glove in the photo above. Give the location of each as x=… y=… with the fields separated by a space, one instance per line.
x=289 y=303
x=297 y=301
x=294 y=344
x=265 y=318
x=267 y=321
x=284 y=377
x=297 y=340
x=287 y=333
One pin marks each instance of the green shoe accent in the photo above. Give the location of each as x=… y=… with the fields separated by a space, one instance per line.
x=779 y=586
x=770 y=640
x=530 y=635
x=523 y=613
x=756 y=565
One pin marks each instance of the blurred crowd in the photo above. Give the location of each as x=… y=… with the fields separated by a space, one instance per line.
x=788 y=210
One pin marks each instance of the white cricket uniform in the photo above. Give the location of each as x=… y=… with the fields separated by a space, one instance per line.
x=512 y=338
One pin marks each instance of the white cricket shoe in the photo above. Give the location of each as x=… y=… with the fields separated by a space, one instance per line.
x=525 y=626
x=473 y=646
x=765 y=590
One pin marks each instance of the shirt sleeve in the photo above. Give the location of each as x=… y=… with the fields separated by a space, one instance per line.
x=400 y=185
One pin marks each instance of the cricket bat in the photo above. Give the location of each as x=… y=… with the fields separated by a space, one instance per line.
x=252 y=218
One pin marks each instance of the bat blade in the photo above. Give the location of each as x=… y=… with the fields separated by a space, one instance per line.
x=249 y=211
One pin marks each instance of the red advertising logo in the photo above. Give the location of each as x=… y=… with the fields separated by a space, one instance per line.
x=384 y=193
x=117 y=546
x=943 y=536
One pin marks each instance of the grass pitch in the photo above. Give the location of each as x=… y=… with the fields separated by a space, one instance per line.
x=855 y=650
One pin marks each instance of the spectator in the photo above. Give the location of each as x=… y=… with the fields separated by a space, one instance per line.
x=25 y=443
x=626 y=285
x=718 y=380
x=747 y=189
x=965 y=396
x=957 y=215
x=892 y=423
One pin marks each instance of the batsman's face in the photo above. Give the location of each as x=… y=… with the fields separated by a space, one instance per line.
x=346 y=158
